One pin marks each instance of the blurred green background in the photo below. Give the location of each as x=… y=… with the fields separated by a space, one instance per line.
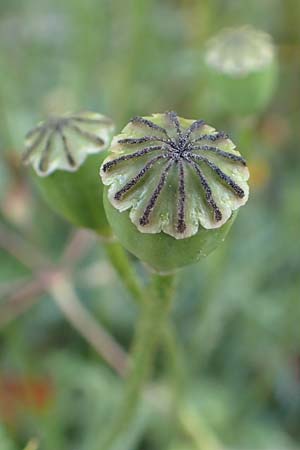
x=237 y=313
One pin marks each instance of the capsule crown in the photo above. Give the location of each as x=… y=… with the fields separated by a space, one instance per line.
x=64 y=142
x=238 y=52
x=174 y=175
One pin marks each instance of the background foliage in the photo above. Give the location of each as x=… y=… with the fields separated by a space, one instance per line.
x=237 y=313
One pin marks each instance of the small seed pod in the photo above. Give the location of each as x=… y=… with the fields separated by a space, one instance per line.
x=242 y=69
x=172 y=187
x=66 y=153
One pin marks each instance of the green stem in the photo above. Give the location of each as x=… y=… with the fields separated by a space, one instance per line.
x=175 y=364
x=151 y=327
x=124 y=269
x=188 y=421
x=148 y=332
x=198 y=430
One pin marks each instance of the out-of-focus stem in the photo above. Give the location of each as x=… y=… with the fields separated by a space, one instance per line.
x=198 y=431
x=67 y=300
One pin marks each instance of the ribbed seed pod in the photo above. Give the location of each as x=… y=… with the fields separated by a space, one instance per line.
x=242 y=69
x=66 y=153
x=172 y=184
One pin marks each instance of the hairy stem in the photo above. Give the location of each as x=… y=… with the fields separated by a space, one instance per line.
x=148 y=332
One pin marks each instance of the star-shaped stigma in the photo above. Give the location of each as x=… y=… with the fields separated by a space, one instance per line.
x=64 y=142
x=173 y=174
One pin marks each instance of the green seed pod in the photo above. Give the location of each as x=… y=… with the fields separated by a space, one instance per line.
x=172 y=184
x=242 y=69
x=66 y=153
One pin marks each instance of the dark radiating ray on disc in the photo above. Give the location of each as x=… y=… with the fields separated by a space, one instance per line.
x=66 y=148
x=207 y=190
x=144 y=220
x=35 y=130
x=89 y=136
x=36 y=142
x=174 y=120
x=181 y=225
x=226 y=178
x=139 y=153
x=133 y=141
x=211 y=137
x=148 y=123
x=218 y=151
x=44 y=161
x=137 y=178
x=195 y=126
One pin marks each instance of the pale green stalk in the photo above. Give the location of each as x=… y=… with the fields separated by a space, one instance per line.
x=124 y=268
x=148 y=332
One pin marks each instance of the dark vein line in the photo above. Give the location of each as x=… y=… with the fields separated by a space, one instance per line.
x=89 y=136
x=174 y=119
x=137 y=178
x=66 y=148
x=211 y=137
x=220 y=152
x=132 y=141
x=229 y=181
x=33 y=146
x=91 y=121
x=195 y=126
x=35 y=130
x=144 y=220
x=150 y=124
x=181 y=225
x=208 y=193
x=44 y=161
x=137 y=154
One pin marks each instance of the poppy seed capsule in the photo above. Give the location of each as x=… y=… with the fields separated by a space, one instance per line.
x=242 y=69
x=172 y=187
x=65 y=153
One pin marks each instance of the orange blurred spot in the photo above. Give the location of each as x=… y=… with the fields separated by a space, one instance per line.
x=16 y=205
x=23 y=393
x=260 y=173
x=275 y=130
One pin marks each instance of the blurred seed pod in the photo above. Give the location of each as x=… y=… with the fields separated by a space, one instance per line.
x=173 y=185
x=65 y=153
x=241 y=69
